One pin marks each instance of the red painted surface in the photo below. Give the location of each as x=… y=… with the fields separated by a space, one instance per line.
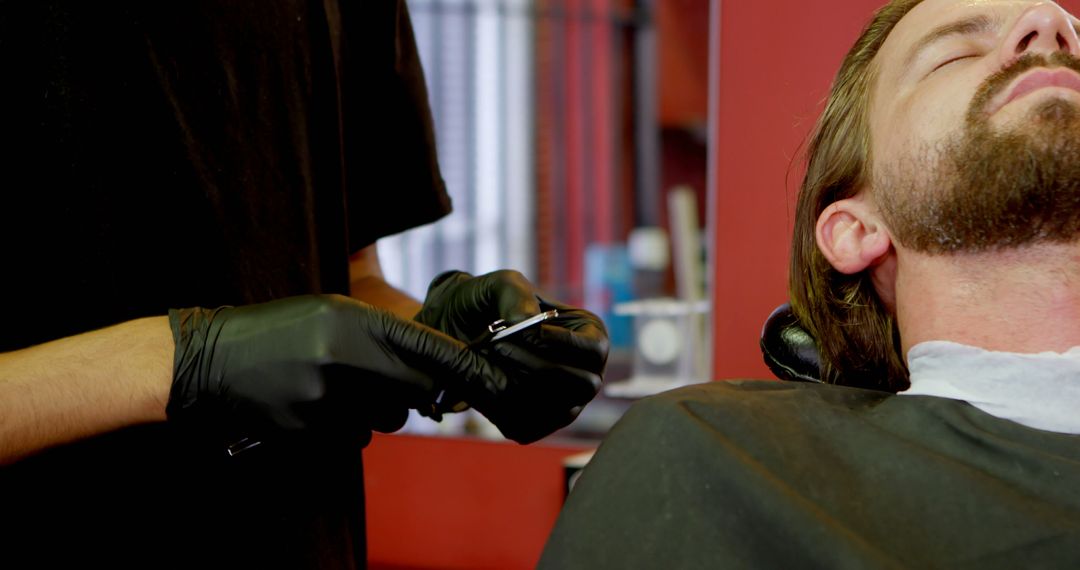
x=576 y=117
x=460 y=503
x=682 y=32
x=601 y=118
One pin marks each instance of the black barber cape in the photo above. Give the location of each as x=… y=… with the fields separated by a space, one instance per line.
x=176 y=153
x=786 y=475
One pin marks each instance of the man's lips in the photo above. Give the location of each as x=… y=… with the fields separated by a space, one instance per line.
x=1033 y=81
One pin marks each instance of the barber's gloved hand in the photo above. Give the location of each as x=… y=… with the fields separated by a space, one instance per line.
x=551 y=370
x=325 y=364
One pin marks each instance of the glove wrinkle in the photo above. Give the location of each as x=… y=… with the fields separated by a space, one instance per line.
x=547 y=373
x=327 y=365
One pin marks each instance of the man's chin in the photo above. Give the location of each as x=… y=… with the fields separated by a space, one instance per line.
x=1049 y=124
x=1058 y=112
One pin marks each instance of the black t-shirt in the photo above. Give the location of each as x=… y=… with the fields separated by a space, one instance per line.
x=788 y=475
x=196 y=153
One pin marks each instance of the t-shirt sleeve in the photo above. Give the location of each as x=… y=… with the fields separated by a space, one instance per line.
x=392 y=175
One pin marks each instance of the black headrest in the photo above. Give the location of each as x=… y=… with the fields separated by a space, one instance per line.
x=790 y=351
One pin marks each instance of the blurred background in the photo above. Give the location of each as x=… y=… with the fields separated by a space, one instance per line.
x=562 y=128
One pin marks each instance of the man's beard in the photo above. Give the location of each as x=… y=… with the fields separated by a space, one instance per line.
x=985 y=190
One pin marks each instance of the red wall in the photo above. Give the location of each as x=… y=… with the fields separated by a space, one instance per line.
x=460 y=503
x=682 y=34
x=777 y=60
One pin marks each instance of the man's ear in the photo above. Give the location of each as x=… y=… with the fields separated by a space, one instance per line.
x=851 y=237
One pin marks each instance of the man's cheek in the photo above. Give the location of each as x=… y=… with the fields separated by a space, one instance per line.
x=934 y=120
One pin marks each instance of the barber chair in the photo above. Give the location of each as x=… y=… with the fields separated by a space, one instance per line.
x=789 y=350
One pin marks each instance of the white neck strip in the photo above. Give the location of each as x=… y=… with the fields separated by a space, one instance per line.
x=1041 y=391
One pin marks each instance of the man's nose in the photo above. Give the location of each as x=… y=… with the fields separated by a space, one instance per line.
x=1043 y=28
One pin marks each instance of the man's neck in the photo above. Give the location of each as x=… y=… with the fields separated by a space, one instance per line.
x=1025 y=300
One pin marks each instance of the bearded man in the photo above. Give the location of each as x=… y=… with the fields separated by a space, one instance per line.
x=936 y=258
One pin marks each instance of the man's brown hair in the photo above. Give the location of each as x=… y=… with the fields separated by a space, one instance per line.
x=857 y=336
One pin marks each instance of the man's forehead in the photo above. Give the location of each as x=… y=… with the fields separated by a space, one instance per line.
x=930 y=14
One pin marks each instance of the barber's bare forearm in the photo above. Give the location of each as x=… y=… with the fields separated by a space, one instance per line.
x=376 y=291
x=81 y=386
x=367 y=284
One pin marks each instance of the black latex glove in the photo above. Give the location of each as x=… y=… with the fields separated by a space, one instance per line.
x=551 y=370
x=324 y=364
